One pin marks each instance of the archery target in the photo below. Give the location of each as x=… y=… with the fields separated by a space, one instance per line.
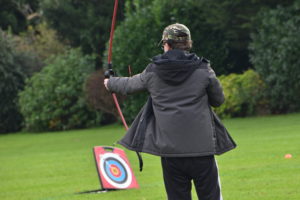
x=115 y=170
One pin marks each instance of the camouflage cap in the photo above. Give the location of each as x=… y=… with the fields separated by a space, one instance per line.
x=176 y=32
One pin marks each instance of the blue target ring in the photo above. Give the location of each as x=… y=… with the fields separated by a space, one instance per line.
x=110 y=163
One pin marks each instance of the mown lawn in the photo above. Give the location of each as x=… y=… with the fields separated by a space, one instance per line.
x=52 y=166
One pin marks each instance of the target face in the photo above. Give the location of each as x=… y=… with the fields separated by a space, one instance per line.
x=113 y=168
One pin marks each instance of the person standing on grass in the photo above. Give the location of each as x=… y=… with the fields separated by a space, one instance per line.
x=177 y=122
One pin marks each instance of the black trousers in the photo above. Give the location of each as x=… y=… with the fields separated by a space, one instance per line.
x=180 y=172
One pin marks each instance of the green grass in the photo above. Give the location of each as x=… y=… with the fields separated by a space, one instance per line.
x=52 y=166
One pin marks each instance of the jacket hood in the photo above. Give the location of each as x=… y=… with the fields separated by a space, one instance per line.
x=175 y=66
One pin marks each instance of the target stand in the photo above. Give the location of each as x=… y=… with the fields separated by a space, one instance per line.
x=113 y=169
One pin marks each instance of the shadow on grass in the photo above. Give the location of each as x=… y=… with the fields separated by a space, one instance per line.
x=96 y=191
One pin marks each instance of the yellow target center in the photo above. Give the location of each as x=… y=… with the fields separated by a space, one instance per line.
x=115 y=171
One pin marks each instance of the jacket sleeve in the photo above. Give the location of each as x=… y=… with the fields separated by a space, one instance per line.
x=128 y=85
x=214 y=89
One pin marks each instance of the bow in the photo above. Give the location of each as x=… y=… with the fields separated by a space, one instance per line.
x=110 y=73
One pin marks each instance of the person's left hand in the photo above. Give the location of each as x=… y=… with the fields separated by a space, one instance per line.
x=105 y=83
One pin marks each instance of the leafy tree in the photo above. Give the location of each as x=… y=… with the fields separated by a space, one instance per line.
x=41 y=40
x=275 y=55
x=236 y=19
x=54 y=98
x=220 y=29
x=14 y=14
x=37 y=44
x=84 y=24
x=12 y=81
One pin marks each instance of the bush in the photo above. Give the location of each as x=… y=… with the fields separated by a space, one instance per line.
x=12 y=81
x=54 y=99
x=97 y=95
x=243 y=95
x=275 y=56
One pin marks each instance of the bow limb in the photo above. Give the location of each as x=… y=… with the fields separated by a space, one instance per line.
x=112 y=30
x=109 y=61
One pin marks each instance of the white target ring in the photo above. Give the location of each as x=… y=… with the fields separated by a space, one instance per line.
x=125 y=178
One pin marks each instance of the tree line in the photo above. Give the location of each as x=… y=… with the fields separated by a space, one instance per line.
x=52 y=56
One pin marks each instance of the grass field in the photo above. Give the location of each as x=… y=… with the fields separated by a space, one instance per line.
x=52 y=166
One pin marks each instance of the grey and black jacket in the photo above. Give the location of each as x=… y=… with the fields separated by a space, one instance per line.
x=177 y=120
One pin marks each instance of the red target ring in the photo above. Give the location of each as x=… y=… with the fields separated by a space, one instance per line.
x=115 y=171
